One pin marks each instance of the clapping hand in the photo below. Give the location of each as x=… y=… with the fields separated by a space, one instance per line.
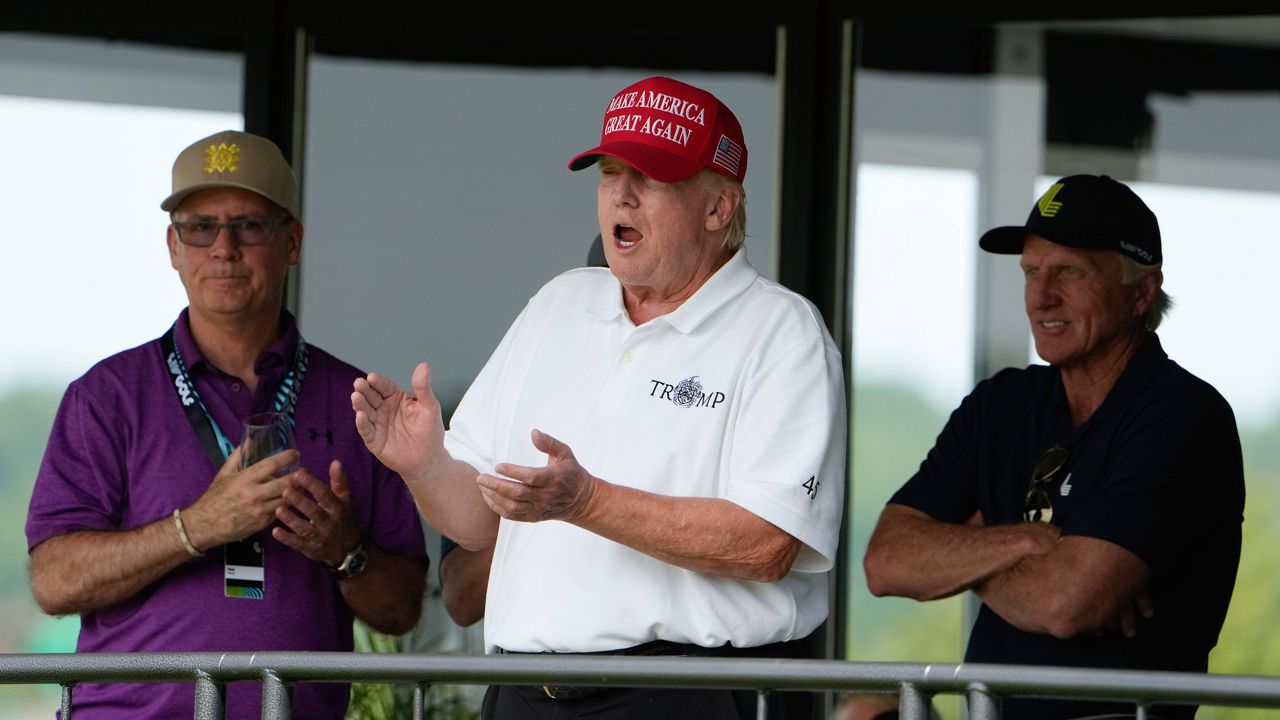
x=560 y=490
x=318 y=517
x=405 y=432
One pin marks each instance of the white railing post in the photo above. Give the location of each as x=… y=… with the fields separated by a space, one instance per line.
x=982 y=704
x=912 y=704
x=211 y=698
x=420 y=700
x=277 y=698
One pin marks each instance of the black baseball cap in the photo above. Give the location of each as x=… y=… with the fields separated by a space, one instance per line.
x=1092 y=212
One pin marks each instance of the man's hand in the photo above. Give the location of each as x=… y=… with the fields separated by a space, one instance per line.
x=405 y=432
x=1126 y=621
x=239 y=502
x=319 y=520
x=559 y=491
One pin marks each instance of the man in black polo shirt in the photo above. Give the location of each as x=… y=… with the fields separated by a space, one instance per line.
x=1094 y=505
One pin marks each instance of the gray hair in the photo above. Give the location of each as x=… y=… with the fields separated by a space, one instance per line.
x=1132 y=273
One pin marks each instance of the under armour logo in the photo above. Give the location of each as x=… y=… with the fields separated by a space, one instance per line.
x=315 y=435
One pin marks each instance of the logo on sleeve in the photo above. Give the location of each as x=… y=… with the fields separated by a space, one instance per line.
x=686 y=394
x=811 y=487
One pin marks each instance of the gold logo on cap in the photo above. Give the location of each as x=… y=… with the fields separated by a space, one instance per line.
x=1048 y=206
x=222 y=158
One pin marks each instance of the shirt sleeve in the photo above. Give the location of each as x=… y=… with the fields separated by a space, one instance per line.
x=945 y=487
x=81 y=481
x=787 y=460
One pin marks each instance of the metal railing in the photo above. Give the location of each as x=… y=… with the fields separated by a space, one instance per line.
x=915 y=683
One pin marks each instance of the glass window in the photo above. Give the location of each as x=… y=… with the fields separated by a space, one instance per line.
x=92 y=130
x=917 y=200
x=912 y=363
x=1160 y=105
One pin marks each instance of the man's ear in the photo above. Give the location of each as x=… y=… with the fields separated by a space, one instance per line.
x=171 y=239
x=294 y=228
x=723 y=206
x=1145 y=291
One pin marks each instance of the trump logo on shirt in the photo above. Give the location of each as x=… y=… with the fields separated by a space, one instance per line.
x=686 y=394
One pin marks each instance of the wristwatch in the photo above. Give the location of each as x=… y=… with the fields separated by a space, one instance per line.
x=353 y=564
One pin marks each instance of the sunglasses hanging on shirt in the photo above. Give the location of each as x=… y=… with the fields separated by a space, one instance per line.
x=1038 y=506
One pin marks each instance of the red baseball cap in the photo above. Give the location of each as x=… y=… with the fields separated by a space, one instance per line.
x=669 y=130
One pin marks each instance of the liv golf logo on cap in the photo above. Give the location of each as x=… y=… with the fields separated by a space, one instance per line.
x=222 y=158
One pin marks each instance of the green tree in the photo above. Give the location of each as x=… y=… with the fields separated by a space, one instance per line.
x=1245 y=646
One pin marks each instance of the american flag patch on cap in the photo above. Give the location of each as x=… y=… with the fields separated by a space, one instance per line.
x=728 y=154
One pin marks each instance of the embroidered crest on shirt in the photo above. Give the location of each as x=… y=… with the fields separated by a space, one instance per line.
x=688 y=393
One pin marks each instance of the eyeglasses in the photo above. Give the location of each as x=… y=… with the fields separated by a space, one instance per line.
x=246 y=231
x=1038 y=506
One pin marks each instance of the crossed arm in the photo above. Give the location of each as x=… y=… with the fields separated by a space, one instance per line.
x=1026 y=573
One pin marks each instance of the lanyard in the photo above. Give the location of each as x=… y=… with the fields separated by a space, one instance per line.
x=215 y=442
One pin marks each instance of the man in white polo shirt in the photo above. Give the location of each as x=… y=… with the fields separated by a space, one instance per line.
x=657 y=447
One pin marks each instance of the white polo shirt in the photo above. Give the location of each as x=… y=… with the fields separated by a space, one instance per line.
x=737 y=394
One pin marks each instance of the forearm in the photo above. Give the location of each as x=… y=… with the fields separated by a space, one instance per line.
x=387 y=596
x=445 y=493
x=1079 y=587
x=707 y=535
x=464 y=584
x=87 y=570
x=1011 y=594
x=913 y=555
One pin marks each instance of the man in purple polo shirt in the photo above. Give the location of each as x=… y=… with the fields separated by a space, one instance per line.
x=142 y=520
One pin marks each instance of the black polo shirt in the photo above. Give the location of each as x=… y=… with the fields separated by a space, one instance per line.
x=1156 y=469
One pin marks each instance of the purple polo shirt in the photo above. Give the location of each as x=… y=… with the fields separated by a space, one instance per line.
x=123 y=454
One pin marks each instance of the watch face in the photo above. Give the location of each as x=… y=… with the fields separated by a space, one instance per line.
x=355 y=563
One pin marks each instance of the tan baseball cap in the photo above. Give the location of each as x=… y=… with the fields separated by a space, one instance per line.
x=234 y=159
